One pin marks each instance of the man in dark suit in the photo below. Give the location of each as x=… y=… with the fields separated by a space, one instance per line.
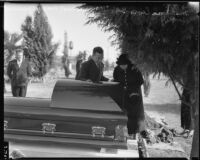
x=19 y=72
x=91 y=70
x=78 y=67
x=101 y=67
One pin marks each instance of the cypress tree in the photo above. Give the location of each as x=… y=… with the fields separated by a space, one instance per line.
x=38 y=40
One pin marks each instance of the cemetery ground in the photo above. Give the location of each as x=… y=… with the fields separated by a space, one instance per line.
x=162 y=102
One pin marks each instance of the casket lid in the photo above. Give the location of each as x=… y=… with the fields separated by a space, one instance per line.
x=82 y=95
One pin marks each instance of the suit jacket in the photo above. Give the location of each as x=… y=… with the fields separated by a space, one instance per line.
x=101 y=66
x=89 y=70
x=19 y=75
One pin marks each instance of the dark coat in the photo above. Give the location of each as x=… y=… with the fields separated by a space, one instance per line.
x=89 y=70
x=134 y=78
x=103 y=78
x=19 y=75
x=130 y=82
x=78 y=68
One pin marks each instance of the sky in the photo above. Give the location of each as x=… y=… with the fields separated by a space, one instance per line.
x=63 y=17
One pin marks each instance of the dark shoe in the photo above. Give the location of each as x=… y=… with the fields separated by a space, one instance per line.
x=183 y=132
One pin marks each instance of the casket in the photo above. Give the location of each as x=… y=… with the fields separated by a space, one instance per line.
x=79 y=115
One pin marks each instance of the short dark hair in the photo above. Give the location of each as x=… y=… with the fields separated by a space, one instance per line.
x=97 y=49
x=19 y=50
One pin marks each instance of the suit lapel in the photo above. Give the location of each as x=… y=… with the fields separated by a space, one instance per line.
x=96 y=71
x=16 y=66
x=21 y=66
x=95 y=65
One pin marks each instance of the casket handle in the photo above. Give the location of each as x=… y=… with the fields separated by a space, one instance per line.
x=48 y=128
x=5 y=125
x=98 y=131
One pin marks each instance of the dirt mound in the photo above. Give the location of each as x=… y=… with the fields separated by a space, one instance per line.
x=151 y=123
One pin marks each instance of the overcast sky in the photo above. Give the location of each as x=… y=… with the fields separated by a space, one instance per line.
x=63 y=17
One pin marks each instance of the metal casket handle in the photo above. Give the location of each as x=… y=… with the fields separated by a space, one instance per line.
x=5 y=125
x=98 y=131
x=48 y=128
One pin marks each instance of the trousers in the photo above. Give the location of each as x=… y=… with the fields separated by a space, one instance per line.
x=19 y=91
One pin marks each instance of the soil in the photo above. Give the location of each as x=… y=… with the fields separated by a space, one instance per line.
x=162 y=102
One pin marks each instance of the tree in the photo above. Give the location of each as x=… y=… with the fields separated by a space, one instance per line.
x=106 y=65
x=160 y=37
x=79 y=56
x=112 y=65
x=66 y=48
x=65 y=57
x=10 y=45
x=38 y=42
x=84 y=54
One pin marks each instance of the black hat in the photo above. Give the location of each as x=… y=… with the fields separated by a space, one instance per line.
x=123 y=59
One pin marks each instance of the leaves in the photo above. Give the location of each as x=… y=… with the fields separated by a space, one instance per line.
x=38 y=41
x=160 y=37
x=10 y=45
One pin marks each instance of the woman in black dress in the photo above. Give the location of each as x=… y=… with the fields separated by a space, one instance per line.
x=130 y=79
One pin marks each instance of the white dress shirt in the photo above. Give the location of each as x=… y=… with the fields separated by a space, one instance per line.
x=19 y=63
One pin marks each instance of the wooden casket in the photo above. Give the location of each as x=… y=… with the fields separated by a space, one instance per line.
x=79 y=115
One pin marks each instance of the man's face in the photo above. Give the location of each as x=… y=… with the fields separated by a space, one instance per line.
x=100 y=58
x=19 y=55
x=96 y=57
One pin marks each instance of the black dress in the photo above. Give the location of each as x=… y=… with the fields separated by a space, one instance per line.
x=130 y=84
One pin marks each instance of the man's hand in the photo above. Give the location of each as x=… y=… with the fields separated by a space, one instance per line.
x=29 y=79
x=88 y=80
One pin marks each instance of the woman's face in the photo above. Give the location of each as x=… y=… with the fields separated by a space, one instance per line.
x=123 y=66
